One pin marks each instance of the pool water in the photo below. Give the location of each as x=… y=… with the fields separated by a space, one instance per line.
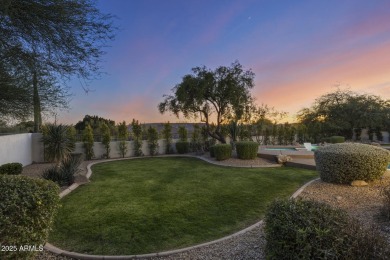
x=280 y=149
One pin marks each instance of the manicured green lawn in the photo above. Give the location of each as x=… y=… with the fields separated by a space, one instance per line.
x=155 y=204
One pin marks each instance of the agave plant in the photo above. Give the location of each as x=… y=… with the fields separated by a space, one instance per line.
x=57 y=141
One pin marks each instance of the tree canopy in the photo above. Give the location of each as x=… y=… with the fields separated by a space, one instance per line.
x=44 y=43
x=216 y=95
x=342 y=111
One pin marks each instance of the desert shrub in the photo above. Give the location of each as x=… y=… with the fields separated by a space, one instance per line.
x=182 y=147
x=64 y=175
x=336 y=139
x=247 y=150
x=27 y=209
x=212 y=151
x=11 y=168
x=222 y=151
x=346 y=162
x=386 y=202
x=297 y=229
x=58 y=140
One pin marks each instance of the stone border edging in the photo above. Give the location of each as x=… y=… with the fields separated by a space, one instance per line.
x=49 y=247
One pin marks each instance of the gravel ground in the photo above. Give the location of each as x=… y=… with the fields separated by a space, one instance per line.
x=361 y=202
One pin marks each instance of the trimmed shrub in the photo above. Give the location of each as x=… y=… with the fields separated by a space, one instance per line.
x=247 y=150
x=11 y=168
x=300 y=229
x=346 y=162
x=27 y=210
x=182 y=147
x=222 y=151
x=212 y=151
x=386 y=203
x=336 y=139
x=65 y=174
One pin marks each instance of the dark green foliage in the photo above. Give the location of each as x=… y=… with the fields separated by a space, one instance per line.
x=212 y=154
x=11 y=168
x=386 y=203
x=183 y=133
x=196 y=140
x=96 y=123
x=106 y=139
x=378 y=133
x=88 y=142
x=247 y=150
x=182 y=147
x=167 y=135
x=346 y=162
x=64 y=175
x=297 y=229
x=123 y=136
x=137 y=137
x=336 y=139
x=222 y=151
x=342 y=111
x=27 y=209
x=153 y=140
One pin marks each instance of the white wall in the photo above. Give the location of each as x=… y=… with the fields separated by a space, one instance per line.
x=16 y=148
x=364 y=136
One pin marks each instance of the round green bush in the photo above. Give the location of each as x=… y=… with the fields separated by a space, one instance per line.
x=27 y=210
x=182 y=147
x=212 y=151
x=247 y=150
x=347 y=162
x=298 y=229
x=222 y=151
x=336 y=139
x=11 y=168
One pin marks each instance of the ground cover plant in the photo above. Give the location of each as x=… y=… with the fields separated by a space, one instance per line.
x=153 y=204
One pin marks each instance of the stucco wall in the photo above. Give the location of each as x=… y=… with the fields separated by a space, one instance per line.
x=16 y=148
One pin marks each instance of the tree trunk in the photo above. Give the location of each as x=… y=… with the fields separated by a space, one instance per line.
x=37 y=104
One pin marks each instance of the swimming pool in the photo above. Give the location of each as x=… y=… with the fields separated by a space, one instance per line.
x=280 y=149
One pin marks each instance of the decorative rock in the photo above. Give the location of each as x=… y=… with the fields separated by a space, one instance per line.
x=359 y=183
x=282 y=159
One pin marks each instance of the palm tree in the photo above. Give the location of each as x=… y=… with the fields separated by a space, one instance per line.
x=57 y=141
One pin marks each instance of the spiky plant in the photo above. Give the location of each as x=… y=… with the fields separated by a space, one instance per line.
x=57 y=142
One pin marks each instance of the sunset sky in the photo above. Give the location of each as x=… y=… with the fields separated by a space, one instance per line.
x=298 y=51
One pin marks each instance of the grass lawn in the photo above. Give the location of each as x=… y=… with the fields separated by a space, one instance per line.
x=154 y=204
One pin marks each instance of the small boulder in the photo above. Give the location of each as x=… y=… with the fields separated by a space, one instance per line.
x=359 y=183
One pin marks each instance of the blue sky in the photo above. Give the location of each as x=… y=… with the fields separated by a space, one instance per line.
x=298 y=50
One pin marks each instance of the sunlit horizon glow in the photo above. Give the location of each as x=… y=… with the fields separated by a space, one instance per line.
x=298 y=51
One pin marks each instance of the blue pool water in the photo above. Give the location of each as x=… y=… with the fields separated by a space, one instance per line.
x=280 y=149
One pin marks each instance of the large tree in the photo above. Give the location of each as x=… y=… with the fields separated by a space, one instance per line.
x=218 y=95
x=342 y=111
x=45 y=40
